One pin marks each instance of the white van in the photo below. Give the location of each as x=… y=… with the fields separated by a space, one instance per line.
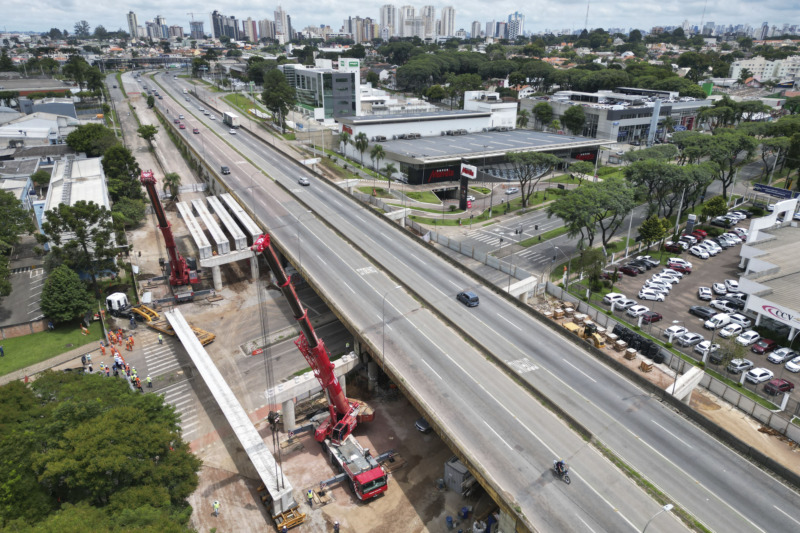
x=717 y=321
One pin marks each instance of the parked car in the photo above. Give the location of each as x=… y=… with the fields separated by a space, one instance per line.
x=710 y=250
x=731 y=330
x=721 y=222
x=612 y=297
x=732 y=285
x=512 y=190
x=704 y=293
x=778 y=385
x=225 y=170
x=690 y=339
x=629 y=270
x=678 y=261
x=675 y=331
x=720 y=320
x=736 y=303
x=640 y=267
x=759 y=375
x=637 y=310
x=722 y=305
x=665 y=278
x=641 y=263
x=718 y=288
x=468 y=298
x=739 y=365
x=741 y=232
x=674 y=247
x=764 y=346
x=650 y=317
x=691 y=239
x=671 y=272
x=699 y=252
x=742 y=320
x=723 y=243
x=706 y=347
x=703 y=312
x=793 y=365
x=700 y=234
x=423 y=426
x=625 y=304
x=649 y=294
x=781 y=355
x=748 y=338
x=683 y=269
x=195 y=130
x=657 y=286
x=649 y=260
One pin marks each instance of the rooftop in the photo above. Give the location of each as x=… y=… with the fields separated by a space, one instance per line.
x=77 y=179
x=366 y=120
x=24 y=167
x=779 y=247
x=476 y=145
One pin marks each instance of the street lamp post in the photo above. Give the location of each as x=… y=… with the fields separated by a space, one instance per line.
x=666 y=508
x=383 y=321
x=569 y=265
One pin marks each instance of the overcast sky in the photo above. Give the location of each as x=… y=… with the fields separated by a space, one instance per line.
x=41 y=15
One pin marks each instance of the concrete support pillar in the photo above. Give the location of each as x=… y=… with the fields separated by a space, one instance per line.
x=758 y=319
x=254 y=268
x=343 y=383
x=287 y=412
x=524 y=297
x=372 y=375
x=216 y=274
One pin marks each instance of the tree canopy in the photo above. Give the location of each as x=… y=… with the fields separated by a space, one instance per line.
x=93 y=139
x=64 y=296
x=278 y=95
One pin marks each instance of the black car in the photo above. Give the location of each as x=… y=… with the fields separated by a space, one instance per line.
x=703 y=312
x=638 y=266
x=468 y=298
x=641 y=262
x=736 y=303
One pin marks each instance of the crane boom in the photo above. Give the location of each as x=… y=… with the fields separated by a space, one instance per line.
x=344 y=413
x=179 y=269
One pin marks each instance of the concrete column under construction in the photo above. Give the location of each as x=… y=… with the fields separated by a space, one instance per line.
x=287 y=412
x=216 y=274
x=343 y=383
x=372 y=375
x=254 y=267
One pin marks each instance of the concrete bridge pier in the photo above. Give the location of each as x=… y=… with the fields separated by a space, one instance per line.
x=287 y=410
x=216 y=275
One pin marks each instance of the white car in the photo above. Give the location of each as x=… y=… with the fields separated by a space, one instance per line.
x=624 y=304
x=637 y=310
x=704 y=293
x=649 y=294
x=671 y=280
x=512 y=190
x=732 y=285
x=741 y=232
x=675 y=331
x=706 y=347
x=748 y=338
x=721 y=305
x=612 y=297
x=710 y=250
x=678 y=261
x=742 y=320
x=759 y=375
x=212 y=117
x=719 y=288
x=732 y=238
x=303 y=181
x=690 y=339
x=656 y=286
x=470 y=198
x=793 y=365
x=670 y=272
x=731 y=330
x=698 y=252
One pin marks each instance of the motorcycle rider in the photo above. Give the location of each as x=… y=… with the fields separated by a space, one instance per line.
x=561 y=467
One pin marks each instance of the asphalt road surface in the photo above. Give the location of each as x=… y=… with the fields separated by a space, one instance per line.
x=504 y=431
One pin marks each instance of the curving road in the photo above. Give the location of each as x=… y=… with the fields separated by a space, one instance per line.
x=504 y=431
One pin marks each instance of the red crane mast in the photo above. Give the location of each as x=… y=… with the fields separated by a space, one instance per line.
x=179 y=270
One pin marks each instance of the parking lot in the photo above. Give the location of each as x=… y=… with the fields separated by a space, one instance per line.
x=675 y=311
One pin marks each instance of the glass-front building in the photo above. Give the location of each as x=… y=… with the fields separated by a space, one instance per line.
x=322 y=89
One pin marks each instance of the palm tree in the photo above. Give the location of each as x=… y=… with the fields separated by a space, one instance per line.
x=376 y=154
x=171 y=182
x=389 y=170
x=522 y=118
x=361 y=142
x=744 y=75
x=668 y=125
x=344 y=140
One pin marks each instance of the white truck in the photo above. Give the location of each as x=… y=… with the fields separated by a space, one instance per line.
x=230 y=119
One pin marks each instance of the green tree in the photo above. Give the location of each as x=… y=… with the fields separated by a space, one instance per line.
x=64 y=296
x=344 y=140
x=41 y=178
x=5 y=275
x=82 y=29
x=574 y=118
x=528 y=168
x=522 y=118
x=128 y=212
x=361 y=142
x=171 y=183
x=148 y=133
x=581 y=169
x=715 y=207
x=377 y=154
x=83 y=230
x=793 y=157
x=730 y=149
x=6 y=64
x=92 y=139
x=373 y=78
x=151 y=101
x=792 y=104
x=436 y=93
x=652 y=230
x=123 y=173
x=16 y=221
x=278 y=95
x=543 y=113
x=389 y=170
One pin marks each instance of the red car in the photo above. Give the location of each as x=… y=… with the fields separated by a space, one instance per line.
x=183 y=126
x=195 y=130
x=700 y=234
x=674 y=248
x=778 y=385
x=680 y=268
x=629 y=270
x=177 y=121
x=764 y=346
x=650 y=317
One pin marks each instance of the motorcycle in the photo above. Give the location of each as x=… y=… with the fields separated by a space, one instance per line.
x=563 y=474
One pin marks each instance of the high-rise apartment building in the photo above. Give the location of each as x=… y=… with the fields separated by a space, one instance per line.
x=250 y=30
x=283 y=23
x=226 y=26
x=133 y=24
x=406 y=13
x=429 y=18
x=266 y=29
x=490 y=29
x=175 y=31
x=448 y=21
x=389 y=19
x=197 y=31
x=516 y=25
x=476 y=30
x=163 y=30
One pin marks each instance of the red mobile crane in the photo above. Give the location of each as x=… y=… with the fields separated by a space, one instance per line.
x=365 y=473
x=180 y=274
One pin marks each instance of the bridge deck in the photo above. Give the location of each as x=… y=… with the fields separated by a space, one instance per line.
x=217 y=235
x=203 y=246
x=237 y=235
x=250 y=227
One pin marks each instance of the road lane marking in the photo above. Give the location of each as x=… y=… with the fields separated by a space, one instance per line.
x=507 y=320
x=579 y=370
x=585 y=524
x=784 y=512
x=671 y=433
x=498 y=436
x=432 y=370
x=348 y=286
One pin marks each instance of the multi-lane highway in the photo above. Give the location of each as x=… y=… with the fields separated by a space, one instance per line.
x=506 y=433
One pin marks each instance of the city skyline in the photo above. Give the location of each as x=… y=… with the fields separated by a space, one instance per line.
x=539 y=16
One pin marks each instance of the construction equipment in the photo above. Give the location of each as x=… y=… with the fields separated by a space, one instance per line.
x=117 y=304
x=180 y=274
x=587 y=332
x=367 y=476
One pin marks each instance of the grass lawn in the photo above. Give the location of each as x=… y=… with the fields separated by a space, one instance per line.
x=31 y=349
x=565 y=178
x=544 y=236
x=425 y=197
x=481 y=190
x=119 y=84
x=379 y=192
